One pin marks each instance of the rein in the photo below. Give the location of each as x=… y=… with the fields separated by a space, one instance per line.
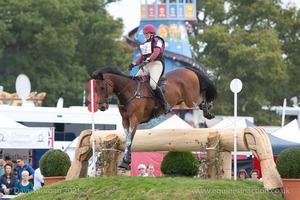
x=137 y=93
x=125 y=87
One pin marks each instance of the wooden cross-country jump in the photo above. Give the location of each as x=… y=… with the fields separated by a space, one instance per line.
x=211 y=140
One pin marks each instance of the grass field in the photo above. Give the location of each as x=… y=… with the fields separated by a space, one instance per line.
x=151 y=188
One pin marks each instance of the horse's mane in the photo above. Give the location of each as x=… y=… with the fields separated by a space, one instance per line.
x=111 y=70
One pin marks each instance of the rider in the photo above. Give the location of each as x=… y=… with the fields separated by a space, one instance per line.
x=153 y=62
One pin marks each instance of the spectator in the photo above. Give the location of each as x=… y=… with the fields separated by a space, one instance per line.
x=255 y=174
x=22 y=166
x=242 y=174
x=99 y=171
x=150 y=170
x=38 y=178
x=24 y=186
x=142 y=170
x=8 y=180
x=2 y=163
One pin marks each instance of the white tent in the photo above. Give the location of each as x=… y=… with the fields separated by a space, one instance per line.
x=289 y=132
x=173 y=122
x=222 y=124
x=229 y=123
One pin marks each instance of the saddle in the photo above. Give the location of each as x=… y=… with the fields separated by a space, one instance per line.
x=162 y=82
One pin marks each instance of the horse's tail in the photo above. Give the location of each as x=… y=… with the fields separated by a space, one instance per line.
x=206 y=84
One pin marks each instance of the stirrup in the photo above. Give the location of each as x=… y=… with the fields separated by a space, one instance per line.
x=167 y=108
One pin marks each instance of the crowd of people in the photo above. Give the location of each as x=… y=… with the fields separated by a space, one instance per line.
x=18 y=180
x=147 y=171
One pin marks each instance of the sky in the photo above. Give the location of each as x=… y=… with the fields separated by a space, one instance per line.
x=130 y=12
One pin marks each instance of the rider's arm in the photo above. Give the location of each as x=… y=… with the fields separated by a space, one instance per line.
x=155 y=53
x=139 y=60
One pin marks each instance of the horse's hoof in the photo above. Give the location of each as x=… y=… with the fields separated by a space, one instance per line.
x=124 y=165
x=203 y=107
x=209 y=116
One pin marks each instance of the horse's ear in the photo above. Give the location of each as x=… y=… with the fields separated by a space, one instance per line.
x=92 y=76
x=97 y=75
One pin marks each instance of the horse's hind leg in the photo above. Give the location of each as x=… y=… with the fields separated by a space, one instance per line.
x=205 y=106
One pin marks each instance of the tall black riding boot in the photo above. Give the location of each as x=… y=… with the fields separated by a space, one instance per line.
x=160 y=95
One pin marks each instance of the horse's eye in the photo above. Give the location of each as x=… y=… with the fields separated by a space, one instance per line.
x=102 y=88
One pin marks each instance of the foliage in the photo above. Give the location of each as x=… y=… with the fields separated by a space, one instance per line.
x=55 y=162
x=288 y=163
x=57 y=44
x=179 y=164
x=258 y=48
x=129 y=187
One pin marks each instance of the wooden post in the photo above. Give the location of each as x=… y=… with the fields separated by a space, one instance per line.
x=110 y=155
x=259 y=143
x=226 y=164
x=78 y=169
x=83 y=153
x=213 y=156
x=219 y=161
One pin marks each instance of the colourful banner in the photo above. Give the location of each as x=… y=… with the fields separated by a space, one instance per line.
x=151 y=12
x=190 y=11
x=181 y=11
x=143 y=12
x=173 y=11
x=162 y=11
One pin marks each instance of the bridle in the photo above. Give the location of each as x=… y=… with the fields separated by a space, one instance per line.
x=98 y=90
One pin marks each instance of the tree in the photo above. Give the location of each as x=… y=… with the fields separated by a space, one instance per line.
x=57 y=44
x=232 y=44
x=288 y=27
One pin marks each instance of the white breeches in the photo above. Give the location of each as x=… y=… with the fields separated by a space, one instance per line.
x=154 y=69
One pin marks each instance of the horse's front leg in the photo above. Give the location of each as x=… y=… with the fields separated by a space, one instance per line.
x=127 y=153
x=130 y=127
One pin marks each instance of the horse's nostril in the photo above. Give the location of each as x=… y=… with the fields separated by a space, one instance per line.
x=102 y=108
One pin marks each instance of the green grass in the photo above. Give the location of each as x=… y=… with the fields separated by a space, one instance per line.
x=151 y=188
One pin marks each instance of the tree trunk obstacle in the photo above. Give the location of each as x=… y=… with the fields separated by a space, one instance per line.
x=219 y=143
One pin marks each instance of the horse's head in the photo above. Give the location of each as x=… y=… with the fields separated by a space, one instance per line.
x=103 y=88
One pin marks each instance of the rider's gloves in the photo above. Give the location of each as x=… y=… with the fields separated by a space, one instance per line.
x=131 y=65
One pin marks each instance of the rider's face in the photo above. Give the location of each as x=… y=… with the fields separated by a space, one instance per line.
x=147 y=35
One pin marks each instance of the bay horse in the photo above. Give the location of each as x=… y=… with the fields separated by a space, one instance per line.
x=137 y=101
